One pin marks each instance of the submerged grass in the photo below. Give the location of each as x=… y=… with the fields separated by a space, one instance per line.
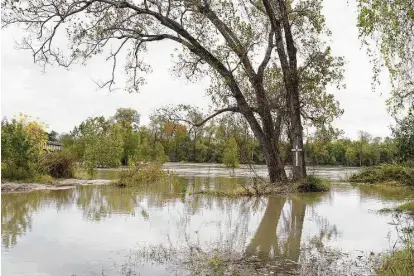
x=406 y=207
x=403 y=208
x=145 y=174
x=234 y=192
x=310 y=184
x=389 y=174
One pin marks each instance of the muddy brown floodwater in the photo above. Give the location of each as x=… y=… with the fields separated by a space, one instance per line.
x=105 y=230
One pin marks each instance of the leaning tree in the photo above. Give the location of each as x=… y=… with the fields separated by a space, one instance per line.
x=265 y=59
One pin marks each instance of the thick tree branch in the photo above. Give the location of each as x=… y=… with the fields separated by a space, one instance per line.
x=208 y=118
x=276 y=25
x=268 y=55
x=218 y=112
x=290 y=44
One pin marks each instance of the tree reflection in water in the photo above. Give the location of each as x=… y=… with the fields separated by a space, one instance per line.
x=279 y=232
x=96 y=203
x=17 y=211
x=277 y=238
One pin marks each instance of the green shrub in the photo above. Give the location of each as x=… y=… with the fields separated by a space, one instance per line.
x=313 y=184
x=12 y=172
x=385 y=173
x=144 y=174
x=58 y=164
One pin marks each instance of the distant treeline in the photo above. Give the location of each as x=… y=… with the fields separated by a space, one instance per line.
x=121 y=140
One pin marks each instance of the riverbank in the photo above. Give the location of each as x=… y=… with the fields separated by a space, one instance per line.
x=61 y=184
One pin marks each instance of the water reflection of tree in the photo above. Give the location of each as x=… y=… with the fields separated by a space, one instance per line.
x=97 y=204
x=280 y=230
x=17 y=211
x=277 y=239
x=100 y=203
x=279 y=233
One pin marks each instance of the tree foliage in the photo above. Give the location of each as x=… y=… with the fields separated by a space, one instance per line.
x=100 y=142
x=159 y=153
x=97 y=143
x=128 y=121
x=231 y=154
x=127 y=118
x=387 y=28
x=22 y=141
x=404 y=137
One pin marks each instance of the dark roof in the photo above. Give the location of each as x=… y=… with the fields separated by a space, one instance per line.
x=54 y=143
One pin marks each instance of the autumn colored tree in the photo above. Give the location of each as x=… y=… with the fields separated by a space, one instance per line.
x=22 y=145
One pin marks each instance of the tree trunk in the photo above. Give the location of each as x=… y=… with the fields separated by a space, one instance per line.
x=268 y=144
x=296 y=129
x=298 y=172
x=274 y=163
x=288 y=61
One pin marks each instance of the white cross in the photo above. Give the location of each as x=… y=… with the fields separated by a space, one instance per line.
x=297 y=150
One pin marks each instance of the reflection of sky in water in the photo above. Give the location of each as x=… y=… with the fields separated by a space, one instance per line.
x=72 y=239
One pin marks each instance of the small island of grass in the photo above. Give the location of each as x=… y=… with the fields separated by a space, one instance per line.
x=390 y=174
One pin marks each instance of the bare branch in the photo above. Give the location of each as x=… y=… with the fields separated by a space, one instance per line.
x=205 y=120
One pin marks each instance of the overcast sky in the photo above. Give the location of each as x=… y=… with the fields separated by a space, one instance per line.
x=63 y=98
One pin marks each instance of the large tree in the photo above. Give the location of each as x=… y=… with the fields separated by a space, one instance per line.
x=128 y=120
x=265 y=59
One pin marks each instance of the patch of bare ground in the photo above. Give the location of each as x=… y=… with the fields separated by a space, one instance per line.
x=61 y=184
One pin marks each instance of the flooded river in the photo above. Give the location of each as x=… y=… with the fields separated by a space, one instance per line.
x=246 y=171
x=105 y=230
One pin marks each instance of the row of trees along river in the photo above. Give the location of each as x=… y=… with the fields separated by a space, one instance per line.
x=121 y=140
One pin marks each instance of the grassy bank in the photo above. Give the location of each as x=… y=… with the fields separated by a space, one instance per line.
x=390 y=174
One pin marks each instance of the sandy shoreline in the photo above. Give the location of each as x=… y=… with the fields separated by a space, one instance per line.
x=61 y=184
